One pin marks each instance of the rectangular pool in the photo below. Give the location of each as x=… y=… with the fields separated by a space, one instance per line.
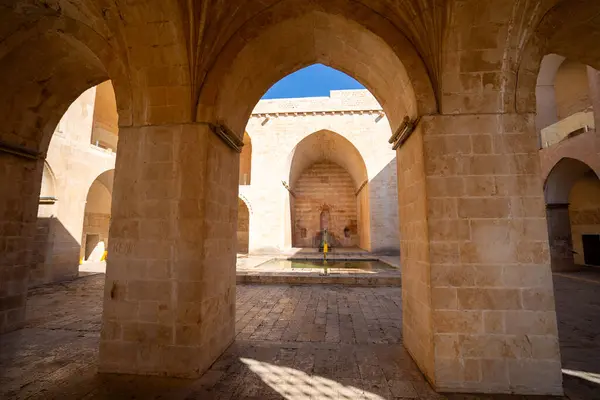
x=365 y=265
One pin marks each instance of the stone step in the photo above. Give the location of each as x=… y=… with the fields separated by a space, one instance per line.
x=265 y=278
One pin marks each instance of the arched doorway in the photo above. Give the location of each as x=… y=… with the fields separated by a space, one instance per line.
x=243 y=227
x=288 y=40
x=94 y=243
x=572 y=193
x=328 y=184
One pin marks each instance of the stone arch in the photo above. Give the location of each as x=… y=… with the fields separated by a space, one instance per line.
x=49 y=66
x=246 y=161
x=327 y=153
x=97 y=217
x=329 y=34
x=563 y=28
x=243 y=225
x=246 y=202
x=563 y=216
x=325 y=144
x=561 y=179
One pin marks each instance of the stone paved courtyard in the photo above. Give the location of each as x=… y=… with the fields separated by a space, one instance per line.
x=293 y=342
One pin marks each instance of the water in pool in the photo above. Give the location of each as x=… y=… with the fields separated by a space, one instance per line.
x=352 y=264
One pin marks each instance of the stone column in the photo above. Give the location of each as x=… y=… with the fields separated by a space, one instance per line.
x=559 y=236
x=477 y=288
x=169 y=300
x=20 y=180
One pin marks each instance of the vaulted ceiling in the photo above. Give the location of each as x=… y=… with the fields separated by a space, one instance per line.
x=52 y=50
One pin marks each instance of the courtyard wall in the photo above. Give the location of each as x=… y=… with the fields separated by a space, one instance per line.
x=277 y=126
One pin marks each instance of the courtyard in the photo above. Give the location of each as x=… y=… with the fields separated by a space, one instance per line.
x=292 y=342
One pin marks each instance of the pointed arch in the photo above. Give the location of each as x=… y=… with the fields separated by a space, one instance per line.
x=374 y=52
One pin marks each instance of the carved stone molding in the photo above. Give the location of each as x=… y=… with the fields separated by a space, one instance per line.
x=403 y=132
x=227 y=136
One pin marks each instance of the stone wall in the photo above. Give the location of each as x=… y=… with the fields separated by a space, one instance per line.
x=325 y=187
x=20 y=180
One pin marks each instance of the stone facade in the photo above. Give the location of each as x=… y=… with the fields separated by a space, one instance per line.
x=288 y=136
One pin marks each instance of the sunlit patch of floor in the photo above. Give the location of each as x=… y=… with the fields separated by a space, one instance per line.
x=292 y=384
x=588 y=376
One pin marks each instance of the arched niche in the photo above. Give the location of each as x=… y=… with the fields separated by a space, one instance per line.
x=328 y=180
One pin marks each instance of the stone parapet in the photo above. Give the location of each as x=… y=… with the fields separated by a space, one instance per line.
x=339 y=101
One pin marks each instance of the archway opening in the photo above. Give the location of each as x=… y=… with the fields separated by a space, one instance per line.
x=350 y=38
x=328 y=184
x=353 y=39
x=572 y=193
x=96 y=223
x=73 y=161
x=584 y=213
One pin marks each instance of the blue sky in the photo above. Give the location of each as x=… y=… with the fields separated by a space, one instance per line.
x=312 y=81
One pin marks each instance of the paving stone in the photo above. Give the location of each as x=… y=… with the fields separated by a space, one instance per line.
x=290 y=358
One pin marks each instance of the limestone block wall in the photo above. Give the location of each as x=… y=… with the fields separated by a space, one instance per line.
x=20 y=182
x=73 y=164
x=325 y=184
x=479 y=257
x=584 y=213
x=170 y=278
x=277 y=126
